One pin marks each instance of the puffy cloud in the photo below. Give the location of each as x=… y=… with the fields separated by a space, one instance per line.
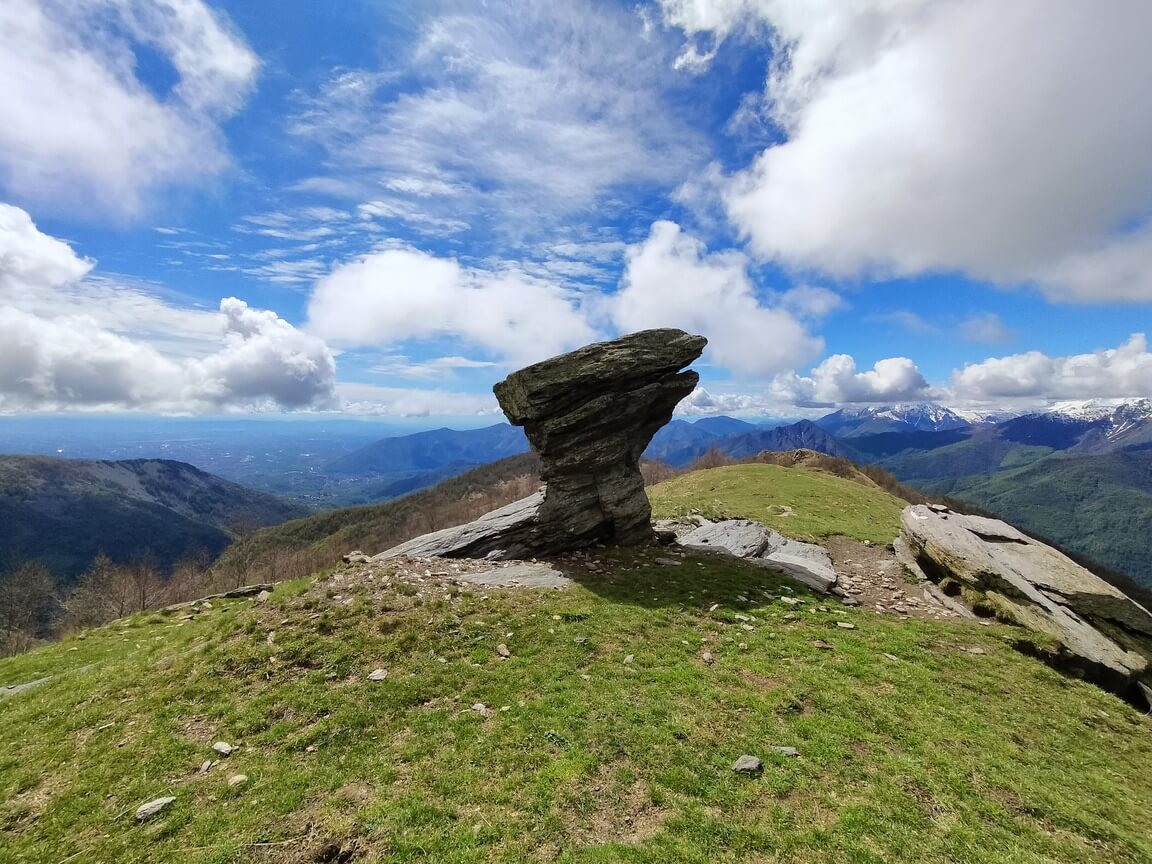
x=80 y=132
x=836 y=380
x=918 y=138
x=1114 y=373
x=31 y=261
x=702 y=403
x=671 y=280
x=811 y=301
x=66 y=343
x=264 y=357
x=987 y=328
x=405 y=294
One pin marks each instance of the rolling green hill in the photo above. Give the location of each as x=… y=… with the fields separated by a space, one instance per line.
x=608 y=734
x=802 y=503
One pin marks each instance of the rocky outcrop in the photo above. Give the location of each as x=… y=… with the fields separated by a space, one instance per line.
x=804 y=562
x=589 y=414
x=1103 y=634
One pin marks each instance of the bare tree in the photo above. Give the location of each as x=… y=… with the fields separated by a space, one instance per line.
x=29 y=607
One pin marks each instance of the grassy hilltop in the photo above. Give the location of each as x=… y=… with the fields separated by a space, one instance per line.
x=913 y=745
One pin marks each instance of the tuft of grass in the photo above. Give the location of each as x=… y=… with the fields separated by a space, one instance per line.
x=942 y=754
x=798 y=502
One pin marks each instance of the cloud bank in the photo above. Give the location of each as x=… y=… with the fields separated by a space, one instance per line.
x=54 y=359
x=926 y=135
x=82 y=133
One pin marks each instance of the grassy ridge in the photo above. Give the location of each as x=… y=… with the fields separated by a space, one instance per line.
x=798 y=502
x=937 y=755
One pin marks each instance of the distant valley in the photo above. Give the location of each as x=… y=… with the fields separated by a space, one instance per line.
x=63 y=512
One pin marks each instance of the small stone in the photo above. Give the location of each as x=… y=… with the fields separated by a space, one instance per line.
x=708 y=657
x=147 y=811
x=822 y=645
x=791 y=616
x=263 y=596
x=791 y=752
x=748 y=765
x=713 y=607
x=482 y=709
x=740 y=617
x=628 y=659
x=844 y=625
x=586 y=677
x=377 y=674
x=743 y=646
x=237 y=779
x=669 y=562
x=223 y=748
x=892 y=657
x=748 y=627
x=849 y=601
x=791 y=601
x=503 y=651
x=975 y=650
x=206 y=766
x=311 y=748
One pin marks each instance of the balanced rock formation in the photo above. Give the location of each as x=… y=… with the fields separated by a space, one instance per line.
x=589 y=414
x=1103 y=634
x=744 y=538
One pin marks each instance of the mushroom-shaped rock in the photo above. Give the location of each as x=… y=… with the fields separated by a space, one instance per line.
x=589 y=414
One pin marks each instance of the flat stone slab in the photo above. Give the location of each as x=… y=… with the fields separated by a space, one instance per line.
x=1104 y=631
x=500 y=526
x=744 y=538
x=517 y=576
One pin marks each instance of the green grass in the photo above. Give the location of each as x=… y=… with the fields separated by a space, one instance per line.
x=798 y=502
x=939 y=755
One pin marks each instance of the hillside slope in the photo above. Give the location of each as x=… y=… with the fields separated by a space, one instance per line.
x=320 y=540
x=608 y=734
x=799 y=502
x=1100 y=506
x=64 y=511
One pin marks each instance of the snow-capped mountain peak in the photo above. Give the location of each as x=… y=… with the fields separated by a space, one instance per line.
x=1119 y=411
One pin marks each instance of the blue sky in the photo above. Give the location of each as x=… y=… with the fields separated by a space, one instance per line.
x=380 y=208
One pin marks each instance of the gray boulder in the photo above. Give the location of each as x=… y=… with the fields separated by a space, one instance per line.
x=1104 y=635
x=589 y=414
x=804 y=562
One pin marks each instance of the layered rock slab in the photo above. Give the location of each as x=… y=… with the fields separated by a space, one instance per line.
x=589 y=414
x=1105 y=635
x=744 y=538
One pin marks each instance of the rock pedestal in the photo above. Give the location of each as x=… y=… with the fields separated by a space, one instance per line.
x=1103 y=634
x=589 y=414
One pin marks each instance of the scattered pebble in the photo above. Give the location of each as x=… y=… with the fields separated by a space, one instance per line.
x=844 y=625
x=748 y=765
x=791 y=752
x=377 y=674
x=503 y=651
x=628 y=659
x=822 y=645
x=237 y=779
x=708 y=657
x=223 y=748
x=482 y=709
x=206 y=766
x=147 y=811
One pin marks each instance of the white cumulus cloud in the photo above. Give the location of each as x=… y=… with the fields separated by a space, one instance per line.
x=1113 y=373
x=671 y=280
x=403 y=294
x=837 y=380
x=1009 y=141
x=81 y=133
x=65 y=347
